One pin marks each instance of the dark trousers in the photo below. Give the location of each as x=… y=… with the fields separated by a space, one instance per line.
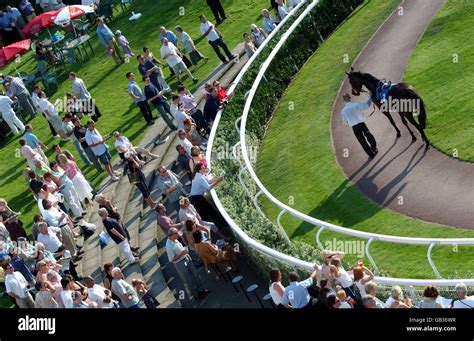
x=200 y=121
x=206 y=210
x=217 y=10
x=363 y=135
x=220 y=43
x=145 y=110
x=50 y=127
x=164 y=109
x=93 y=110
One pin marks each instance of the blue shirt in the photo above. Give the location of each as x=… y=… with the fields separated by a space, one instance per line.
x=20 y=266
x=135 y=90
x=296 y=294
x=31 y=140
x=28 y=9
x=211 y=108
x=95 y=137
x=268 y=24
x=4 y=20
x=153 y=76
x=14 y=14
x=170 y=36
x=104 y=34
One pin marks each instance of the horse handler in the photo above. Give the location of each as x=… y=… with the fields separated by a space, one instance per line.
x=353 y=116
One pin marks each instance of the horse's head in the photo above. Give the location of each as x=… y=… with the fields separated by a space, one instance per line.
x=355 y=78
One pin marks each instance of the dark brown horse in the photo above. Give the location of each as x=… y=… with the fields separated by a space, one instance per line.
x=400 y=98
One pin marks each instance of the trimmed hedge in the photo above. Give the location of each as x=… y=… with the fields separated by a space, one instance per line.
x=304 y=41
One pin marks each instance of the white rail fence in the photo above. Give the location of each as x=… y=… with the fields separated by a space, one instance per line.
x=246 y=166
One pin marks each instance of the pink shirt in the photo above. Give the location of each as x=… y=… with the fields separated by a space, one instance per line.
x=188 y=101
x=27 y=152
x=71 y=170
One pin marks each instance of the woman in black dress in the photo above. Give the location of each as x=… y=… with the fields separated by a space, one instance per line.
x=137 y=178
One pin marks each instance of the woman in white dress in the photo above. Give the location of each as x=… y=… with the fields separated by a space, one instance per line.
x=81 y=185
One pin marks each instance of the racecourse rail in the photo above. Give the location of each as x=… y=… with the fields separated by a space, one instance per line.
x=247 y=167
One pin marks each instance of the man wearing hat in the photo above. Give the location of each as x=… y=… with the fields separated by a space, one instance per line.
x=179 y=256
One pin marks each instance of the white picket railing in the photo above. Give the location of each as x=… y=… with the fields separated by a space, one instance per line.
x=247 y=167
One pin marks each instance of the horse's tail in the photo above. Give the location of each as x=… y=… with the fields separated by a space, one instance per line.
x=421 y=111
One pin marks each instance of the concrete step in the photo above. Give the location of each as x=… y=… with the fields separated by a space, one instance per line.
x=138 y=219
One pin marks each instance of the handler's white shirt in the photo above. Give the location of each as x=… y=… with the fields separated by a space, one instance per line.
x=352 y=112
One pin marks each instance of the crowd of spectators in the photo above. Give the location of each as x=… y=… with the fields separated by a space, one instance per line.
x=331 y=287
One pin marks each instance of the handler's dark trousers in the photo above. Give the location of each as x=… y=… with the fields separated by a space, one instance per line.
x=363 y=135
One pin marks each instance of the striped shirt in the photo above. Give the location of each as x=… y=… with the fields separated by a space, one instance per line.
x=17 y=86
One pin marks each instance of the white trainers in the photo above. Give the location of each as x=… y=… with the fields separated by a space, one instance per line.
x=117 y=173
x=114 y=178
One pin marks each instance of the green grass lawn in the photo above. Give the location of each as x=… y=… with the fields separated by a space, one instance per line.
x=108 y=85
x=442 y=71
x=297 y=165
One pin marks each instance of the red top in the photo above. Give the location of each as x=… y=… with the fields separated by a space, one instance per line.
x=221 y=93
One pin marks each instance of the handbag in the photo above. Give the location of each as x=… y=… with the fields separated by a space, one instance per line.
x=134 y=177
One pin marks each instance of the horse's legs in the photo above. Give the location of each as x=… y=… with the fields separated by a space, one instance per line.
x=412 y=120
x=404 y=121
x=387 y=114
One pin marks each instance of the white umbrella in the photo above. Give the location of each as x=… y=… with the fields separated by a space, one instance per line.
x=69 y=13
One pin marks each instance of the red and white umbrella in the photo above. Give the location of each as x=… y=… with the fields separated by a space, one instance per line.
x=69 y=13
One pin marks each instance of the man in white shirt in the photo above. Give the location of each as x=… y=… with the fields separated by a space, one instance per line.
x=177 y=110
x=170 y=53
x=97 y=143
x=185 y=142
x=123 y=145
x=98 y=294
x=50 y=236
x=214 y=37
x=353 y=116
x=179 y=256
x=16 y=287
x=463 y=301
x=9 y=115
x=55 y=216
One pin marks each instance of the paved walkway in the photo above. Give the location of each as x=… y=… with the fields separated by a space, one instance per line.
x=434 y=186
